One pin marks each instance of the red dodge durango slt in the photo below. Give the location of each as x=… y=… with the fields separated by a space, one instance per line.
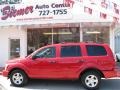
x=87 y=62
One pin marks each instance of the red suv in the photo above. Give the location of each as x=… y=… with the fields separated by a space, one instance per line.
x=88 y=62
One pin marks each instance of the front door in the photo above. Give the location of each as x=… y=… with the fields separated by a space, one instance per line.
x=44 y=63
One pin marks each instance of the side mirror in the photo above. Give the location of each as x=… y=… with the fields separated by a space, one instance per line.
x=34 y=57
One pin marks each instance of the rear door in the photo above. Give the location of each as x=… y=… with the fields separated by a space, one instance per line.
x=70 y=60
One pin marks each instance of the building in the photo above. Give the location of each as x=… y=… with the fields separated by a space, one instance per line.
x=24 y=27
x=2 y=2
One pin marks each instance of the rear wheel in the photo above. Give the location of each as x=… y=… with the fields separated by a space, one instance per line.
x=91 y=80
x=18 y=78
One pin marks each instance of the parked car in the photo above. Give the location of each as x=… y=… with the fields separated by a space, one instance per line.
x=87 y=62
x=118 y=56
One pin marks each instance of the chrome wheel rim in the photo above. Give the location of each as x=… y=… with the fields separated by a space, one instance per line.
x=17 y=78
x=91 y=81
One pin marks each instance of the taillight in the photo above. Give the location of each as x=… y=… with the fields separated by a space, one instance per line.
x=114 y=56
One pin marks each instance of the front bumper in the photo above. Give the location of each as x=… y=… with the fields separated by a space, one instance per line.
x=5 y=73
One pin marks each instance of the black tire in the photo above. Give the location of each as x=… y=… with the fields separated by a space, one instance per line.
x=18 y=78
x=85 y=79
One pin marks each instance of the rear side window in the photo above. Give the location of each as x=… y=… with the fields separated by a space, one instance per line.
x=94 y=50
x=70 y=51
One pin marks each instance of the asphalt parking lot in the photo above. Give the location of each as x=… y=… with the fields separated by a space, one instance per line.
x=111 y=84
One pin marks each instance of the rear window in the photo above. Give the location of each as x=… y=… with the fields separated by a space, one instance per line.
x=70 y=51
x=94 y=50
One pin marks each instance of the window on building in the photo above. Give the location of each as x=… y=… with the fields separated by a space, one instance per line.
x=94 y=50
x=37 y=38
x=14 y=48
x=70 y=51
x=96 y=34
x=66 y=35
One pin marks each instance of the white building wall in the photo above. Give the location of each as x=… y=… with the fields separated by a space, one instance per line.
x=112 y=40
x=11 y=32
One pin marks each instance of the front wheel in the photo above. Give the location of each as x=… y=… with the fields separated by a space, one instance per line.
x=91 y=80
x=18 y=78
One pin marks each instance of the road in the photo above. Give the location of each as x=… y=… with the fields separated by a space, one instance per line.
x=111 y=84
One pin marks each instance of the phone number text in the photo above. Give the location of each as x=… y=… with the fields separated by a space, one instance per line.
x=53 y=12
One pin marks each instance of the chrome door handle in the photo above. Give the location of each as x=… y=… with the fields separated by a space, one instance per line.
x=81 y=60
x=52 y=61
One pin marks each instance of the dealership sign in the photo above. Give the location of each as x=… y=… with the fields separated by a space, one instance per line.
x=12 y=12
x=36 y=11
x=17 y=12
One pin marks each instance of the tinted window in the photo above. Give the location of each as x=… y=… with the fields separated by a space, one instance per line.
x=46 y=53
x=94 y=50
x=70 y=51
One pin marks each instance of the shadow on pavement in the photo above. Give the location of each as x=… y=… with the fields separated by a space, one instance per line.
x=110 y=84
x=53 y=85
